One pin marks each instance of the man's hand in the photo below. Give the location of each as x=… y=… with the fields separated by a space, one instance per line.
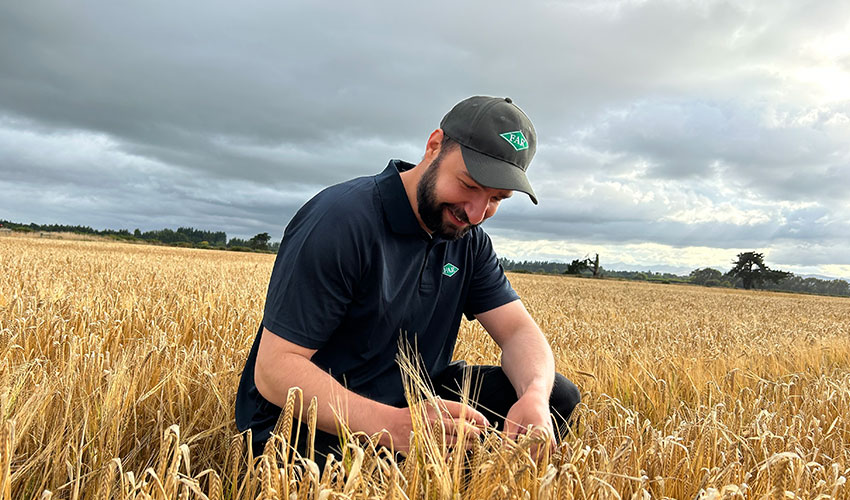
x=528 y=363
x=530 y=415
x=460 y=421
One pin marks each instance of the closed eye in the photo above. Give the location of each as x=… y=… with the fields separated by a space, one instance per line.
x=476 y=187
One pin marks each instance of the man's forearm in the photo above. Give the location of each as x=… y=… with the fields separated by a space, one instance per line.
x=526 y=357
x=528 y=362
x=357 y=412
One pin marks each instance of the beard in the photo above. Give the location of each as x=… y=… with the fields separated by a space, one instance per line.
x=431 y=210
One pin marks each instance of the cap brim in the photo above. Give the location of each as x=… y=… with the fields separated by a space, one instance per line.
x=494 y=173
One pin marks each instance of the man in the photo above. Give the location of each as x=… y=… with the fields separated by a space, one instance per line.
x=402 y=253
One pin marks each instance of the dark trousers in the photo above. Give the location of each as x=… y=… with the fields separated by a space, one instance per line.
x=491 y=393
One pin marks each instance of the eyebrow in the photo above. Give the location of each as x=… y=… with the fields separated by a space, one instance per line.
x=503 y=193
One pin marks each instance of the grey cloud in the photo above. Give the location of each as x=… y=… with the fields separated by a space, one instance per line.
x=624 y=231
x=685 y=139
x=810 y=255
x=600 y=215
x=234 y=114
x=300 y=71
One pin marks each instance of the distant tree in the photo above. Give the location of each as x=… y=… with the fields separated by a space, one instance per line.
x=580 y=266
x=237 y=242
x=838 y=287
x=752 y=271
x=812 y=285
x=577 y=266
x=260 y=241
x=705 y=277
x=594 y=266
x=526 y=265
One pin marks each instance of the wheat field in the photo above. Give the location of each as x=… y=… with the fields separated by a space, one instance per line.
x=120 y=364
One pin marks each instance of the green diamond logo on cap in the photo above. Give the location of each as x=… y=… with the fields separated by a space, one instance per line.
x=450 y=269
x=516 y=139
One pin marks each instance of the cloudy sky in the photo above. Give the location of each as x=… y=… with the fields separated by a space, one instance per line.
x=672 y=134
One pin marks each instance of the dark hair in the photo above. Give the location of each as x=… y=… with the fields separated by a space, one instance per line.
x=447 y=144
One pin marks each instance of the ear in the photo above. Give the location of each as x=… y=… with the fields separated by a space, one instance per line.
x=432 y=147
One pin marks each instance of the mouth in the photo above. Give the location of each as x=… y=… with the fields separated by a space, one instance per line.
x=454 y=219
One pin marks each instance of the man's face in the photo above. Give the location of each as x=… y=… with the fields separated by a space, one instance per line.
x=449 y=201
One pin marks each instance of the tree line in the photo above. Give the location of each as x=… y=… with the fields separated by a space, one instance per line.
x=748 y=271
x=182 y=236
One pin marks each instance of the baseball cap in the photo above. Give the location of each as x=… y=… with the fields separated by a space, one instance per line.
x=497 y=141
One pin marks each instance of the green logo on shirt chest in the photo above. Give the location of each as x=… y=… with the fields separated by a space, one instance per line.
x=450 y=269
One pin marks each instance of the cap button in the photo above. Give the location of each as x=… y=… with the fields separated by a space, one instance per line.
x=508 y=100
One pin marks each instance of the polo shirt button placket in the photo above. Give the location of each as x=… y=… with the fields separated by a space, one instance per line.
x=427 y=276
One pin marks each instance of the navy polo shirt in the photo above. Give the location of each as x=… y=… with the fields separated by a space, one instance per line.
x=355 y=270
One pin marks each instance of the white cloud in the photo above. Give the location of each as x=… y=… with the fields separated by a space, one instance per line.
x=724 y=213
x=639 y=256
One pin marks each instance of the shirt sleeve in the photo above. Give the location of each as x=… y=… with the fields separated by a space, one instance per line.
x=489 y=286
x=314 y=277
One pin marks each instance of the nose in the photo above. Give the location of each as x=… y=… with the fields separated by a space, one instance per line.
x=476 y=210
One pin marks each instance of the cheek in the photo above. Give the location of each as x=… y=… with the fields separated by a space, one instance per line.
x=491 y=210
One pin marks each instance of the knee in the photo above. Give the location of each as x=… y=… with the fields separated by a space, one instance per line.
x=565 y=397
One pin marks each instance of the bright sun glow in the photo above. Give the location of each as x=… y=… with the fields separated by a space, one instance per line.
x=828 y=74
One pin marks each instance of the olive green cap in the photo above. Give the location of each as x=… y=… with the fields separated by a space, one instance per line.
x=497 y=141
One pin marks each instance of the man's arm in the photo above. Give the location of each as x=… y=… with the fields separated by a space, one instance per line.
x=527 y=361
x=282 y=364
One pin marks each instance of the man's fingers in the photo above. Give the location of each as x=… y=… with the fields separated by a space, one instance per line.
x=543 y=433
x=461 y=424
x=547 y=441
x=455 y=427
x=513 y=429
x=546 y=433
x=457 y=430
x=459 y=410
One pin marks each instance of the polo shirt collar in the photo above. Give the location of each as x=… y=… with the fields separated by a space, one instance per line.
x=394 y=199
